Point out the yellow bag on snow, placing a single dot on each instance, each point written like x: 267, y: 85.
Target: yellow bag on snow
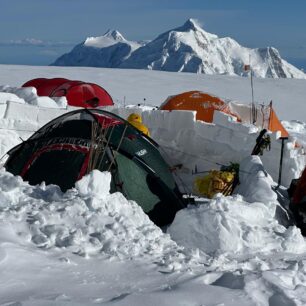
x: 214, y: 182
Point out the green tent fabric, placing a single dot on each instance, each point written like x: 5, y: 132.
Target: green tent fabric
x: 72, y: 145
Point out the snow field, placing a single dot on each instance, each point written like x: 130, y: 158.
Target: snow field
x: 89, y: 247
x: 234, y: 250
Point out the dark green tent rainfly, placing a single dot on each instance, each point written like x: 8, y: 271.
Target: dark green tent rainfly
x: 72, y: 145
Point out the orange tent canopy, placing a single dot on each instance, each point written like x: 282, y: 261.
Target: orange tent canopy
x: 204, y: 104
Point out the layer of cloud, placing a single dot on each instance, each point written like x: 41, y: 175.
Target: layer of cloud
x: 35, y: 42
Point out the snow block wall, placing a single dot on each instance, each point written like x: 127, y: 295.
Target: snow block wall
x: 33, y: 113
x: 204, y: 146
x: 197, y: 145
x: 22, y: 113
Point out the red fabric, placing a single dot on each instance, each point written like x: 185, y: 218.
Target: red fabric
x: 35, y: 82
x: 106, y: 122
x: 78, y: 93
x: 88, y: 96
x: 44, y: 86
x: 300, y: 191
x: 55, y: 147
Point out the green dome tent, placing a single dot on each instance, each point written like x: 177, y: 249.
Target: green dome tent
x: 72, y: 145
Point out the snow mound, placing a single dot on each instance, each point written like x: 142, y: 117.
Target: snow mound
x: 87, y: 220
x: 5, y: 96
x: 255, y: 182
x: 29, y: 95
x: 297, y: 130
x: 25, y: 94
x: 234, y: 225
x: 91, y: 184
x: 231, y: 225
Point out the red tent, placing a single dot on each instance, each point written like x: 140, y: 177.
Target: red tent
x: 78, y: 93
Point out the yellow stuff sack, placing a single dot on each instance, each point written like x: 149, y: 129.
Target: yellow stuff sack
x: 214, y: 182
x: 201, y: 185
x: 136, y: 120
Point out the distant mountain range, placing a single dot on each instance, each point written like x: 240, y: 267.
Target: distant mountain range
x: 184, y: 49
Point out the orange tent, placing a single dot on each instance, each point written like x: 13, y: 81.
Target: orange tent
x: 204, y: 104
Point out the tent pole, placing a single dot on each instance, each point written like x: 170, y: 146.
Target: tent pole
x: 253, y: 109
x: 281, y: 162
x: 253, y: 103
x: 270, y: 115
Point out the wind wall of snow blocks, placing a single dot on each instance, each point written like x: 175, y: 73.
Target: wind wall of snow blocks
x: 2, y: 109
x: 32, y: 113
x: 122, y: 112
x: 18, y: 111
x: 206, y: 144
x: 185, y: 139
x: 47, y: 114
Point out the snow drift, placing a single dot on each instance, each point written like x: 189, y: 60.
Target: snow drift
x: 228, y: 254
x: 87, y: 220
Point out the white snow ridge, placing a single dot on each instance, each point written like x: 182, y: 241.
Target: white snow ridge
x: 186, y: 49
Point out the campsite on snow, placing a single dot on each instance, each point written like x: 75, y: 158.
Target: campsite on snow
x: 119, y: 186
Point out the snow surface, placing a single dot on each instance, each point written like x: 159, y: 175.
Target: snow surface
x: 133, y: 86
x: 89, y: 247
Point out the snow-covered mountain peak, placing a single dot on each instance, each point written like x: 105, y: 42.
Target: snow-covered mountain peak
x: 110, y: 38
x: 115, y: 35
x: 191, y: 28
x: 191, y: 24
x: 108, y: 50
x: 187, y: 48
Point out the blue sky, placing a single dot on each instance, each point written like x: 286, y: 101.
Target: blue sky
x: 38, y: 31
